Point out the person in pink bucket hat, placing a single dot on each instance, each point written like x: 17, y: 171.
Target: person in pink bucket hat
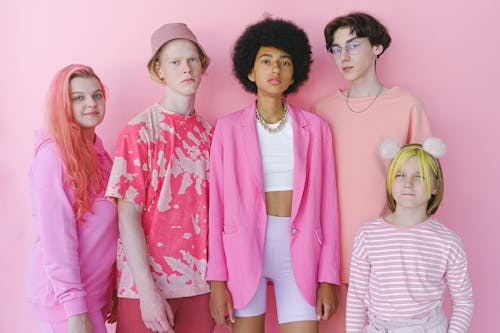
x: 159, y: 181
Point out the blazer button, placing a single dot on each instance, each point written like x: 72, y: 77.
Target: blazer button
x: 294, y: 231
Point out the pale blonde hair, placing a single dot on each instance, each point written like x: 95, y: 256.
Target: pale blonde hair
x: 430, y: 168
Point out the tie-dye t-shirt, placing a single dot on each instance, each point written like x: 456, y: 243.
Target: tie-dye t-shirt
x: 162, y: 163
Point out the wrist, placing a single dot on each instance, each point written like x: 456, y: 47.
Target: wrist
x: 218, y: 284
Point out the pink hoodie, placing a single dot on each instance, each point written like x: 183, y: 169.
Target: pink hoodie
x: 71, y: 266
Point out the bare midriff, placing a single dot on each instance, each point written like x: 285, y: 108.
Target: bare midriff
x: 279, y: 203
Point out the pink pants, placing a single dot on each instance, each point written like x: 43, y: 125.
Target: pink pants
x: 191, y: 314
x: 435, y: 322
x: 96, y: 317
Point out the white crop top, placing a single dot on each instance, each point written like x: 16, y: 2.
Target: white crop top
x: 276, y: 151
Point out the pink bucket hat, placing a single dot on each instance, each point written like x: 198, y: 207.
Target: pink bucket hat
x: 171, y: 31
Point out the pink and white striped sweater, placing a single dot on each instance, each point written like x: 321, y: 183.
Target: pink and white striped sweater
x: 400, y: 273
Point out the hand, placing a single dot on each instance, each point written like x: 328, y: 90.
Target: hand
x: 156, y: 313
x: 326, y: 301
x: 80, y: 324
x: 221, y: 304
x: 112, y: 309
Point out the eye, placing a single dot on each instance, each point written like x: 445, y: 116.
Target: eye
x: 78, y: 98
x: 265, y: 61
x: 98, y: 96
x: 174, y: 62
x: 353, y: 45
x: 398, y: 175
x: 194, y: 59
x: 286, y: 63
x: 336, y: 50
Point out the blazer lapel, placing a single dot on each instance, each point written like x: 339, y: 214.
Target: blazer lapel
x: 300, y: 146
x: 252, y: 154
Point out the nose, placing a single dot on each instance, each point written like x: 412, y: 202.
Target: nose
x: 186, y: 68
x: 408, y: 181
x: 276, y: 67
x: 344, y: 55
x: 91, y: 101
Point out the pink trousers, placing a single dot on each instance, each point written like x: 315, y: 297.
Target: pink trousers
x: 435, y: 322
x: 191, y: 314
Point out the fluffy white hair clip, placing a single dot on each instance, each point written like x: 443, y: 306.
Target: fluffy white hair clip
x: 389, y: 149
x: 433, y: 145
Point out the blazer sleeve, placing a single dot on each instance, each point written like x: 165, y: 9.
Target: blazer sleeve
x: 57, y: 230
x: 217, y: 268
x: 329, y: 265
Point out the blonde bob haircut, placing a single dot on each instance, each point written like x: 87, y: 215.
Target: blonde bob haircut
x: 430, y: 168
x: 154, y: 63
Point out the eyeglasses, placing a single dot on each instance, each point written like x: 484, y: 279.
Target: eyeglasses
x: 351, y: 48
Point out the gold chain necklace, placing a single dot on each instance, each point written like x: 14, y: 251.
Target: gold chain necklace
x: 281, y: 122
x: 366, y: 108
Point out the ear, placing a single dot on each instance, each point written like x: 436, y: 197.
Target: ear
x: 251, y: 76
x: 378, y: 49
x: 158, y: 71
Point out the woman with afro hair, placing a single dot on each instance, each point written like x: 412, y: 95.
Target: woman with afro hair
x: 273, y: 202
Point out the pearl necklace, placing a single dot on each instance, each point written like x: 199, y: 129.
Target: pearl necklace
x: 366, y: 108
x: 281, y: 122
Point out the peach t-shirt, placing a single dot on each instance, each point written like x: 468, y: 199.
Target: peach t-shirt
x: 356, y: 140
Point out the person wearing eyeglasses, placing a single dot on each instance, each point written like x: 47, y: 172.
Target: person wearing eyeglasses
x: 361, y: 117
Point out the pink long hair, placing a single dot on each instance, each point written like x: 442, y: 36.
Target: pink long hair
x: 77, y: 152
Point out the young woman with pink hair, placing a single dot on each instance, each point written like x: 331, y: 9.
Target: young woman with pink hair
x: 76, y: 230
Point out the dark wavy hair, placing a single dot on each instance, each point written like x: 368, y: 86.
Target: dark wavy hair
x: 363, y: 25
x: 277, y: 33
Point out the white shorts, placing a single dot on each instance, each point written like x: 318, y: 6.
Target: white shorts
x: 277, y: 267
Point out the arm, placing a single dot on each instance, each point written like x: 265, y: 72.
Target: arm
x: 80, y: 324
x: 358, y: 287
x: 457, y: 278
x: 326, y: 300
x: 57, y: 229
x: 221, y: 304
x: 155, y: 311
x: 419, y: 127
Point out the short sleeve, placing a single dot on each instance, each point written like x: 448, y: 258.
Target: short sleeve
x: 131, y: 168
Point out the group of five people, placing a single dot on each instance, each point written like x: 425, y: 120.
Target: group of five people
x: 205, y: 219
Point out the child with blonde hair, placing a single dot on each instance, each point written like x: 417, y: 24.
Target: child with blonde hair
x: 401, y: 263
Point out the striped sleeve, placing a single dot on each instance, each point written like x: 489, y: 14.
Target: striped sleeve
x: 358, y: 286
x: 457, y: 277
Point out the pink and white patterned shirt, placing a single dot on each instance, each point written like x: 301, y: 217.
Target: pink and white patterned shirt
x: 162, y: 164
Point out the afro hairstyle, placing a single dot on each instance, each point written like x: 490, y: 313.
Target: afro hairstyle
x: 277, y: 33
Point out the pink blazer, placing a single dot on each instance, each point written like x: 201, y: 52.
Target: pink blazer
x: 237, y: 212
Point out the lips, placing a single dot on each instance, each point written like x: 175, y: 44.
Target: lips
x: 347, y: 69
x: 188, y: 80
x: 274, y: 81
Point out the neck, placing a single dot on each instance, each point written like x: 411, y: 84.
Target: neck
x: 89, y: 134
x: 366, y: 85
x: 270, y: 108
x: 407, y: 217
x: 177, y: 103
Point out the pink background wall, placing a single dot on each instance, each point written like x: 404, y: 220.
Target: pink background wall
x: 445, y: 52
